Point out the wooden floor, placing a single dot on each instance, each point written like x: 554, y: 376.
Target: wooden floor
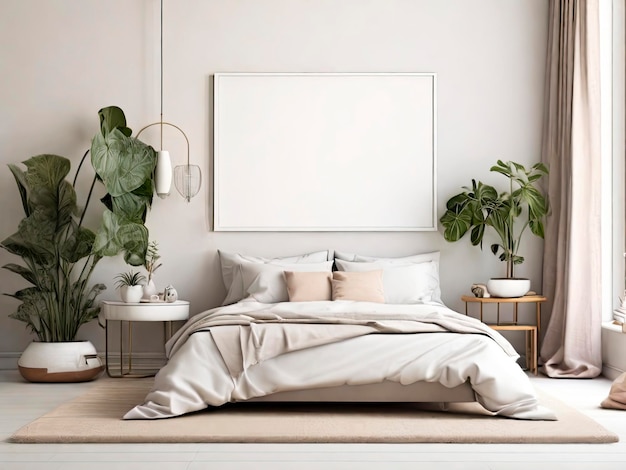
x: 21, y: 402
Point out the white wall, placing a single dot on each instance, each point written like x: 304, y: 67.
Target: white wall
x: 63, y: 60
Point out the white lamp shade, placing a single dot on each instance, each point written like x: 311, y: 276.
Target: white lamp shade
x: 163, y: 174
x: 187, y: 179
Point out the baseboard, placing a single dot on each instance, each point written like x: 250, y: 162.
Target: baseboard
x: 611, y: 372
x: 8, y: 360
x: 143, y: 360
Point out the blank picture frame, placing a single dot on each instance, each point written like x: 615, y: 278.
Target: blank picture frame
x: 325, y: 152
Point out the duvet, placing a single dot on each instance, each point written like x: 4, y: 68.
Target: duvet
x: 250, y: 349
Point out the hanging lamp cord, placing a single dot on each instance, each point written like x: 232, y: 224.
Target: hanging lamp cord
x: 161, y: 74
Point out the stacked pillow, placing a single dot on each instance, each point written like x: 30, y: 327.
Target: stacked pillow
x: 406, y: 280
x: 262, y: 278
x: 309, y: 277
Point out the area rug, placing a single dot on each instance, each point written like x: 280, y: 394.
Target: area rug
x: 96, y: 417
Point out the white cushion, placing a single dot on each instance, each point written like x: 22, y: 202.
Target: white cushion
x: 266, y: 282
x: 408, y: 283
x: 231, y: 263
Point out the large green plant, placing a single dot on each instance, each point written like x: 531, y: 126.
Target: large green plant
x: 56, y: 250
x: 126, y: 166
x: 508, y: 213
x: 59, y: 254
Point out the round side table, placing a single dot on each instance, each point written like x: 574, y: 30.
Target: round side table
x: 165, y: 312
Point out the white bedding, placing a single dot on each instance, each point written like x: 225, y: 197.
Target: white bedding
x: 249, y: 349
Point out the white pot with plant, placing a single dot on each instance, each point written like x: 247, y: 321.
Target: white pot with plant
x: 130, y: 285
x: 509, y: 214
x: 151, y: 264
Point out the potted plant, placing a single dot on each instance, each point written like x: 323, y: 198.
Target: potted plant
x: 59, y: 255
x: 130, y: 286
x: 151, y: 264
x: 509, y: 213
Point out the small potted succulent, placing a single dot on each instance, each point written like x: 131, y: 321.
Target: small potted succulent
x: 130, y: 285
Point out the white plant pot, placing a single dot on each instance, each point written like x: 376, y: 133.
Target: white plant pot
x: 131, y: 294
x: 508, y: 287
x: 74, y: 361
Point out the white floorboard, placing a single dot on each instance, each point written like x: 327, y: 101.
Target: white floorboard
x: 21, y: 402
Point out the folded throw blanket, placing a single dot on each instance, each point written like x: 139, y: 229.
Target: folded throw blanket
x: 617, y: 394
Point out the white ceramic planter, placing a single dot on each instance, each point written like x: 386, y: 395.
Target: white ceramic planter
x: 74, y: 361
x: 508, y: 288
x: 131, y: 294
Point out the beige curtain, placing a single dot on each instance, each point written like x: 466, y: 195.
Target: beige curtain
x: 571, y: 148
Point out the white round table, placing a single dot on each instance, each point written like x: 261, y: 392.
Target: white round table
x: 165, y: 312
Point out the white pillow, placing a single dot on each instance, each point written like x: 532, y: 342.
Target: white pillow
x: 403, y: 283
x: 419, y: 258
x: 266, y: 282
x: 231, y: 264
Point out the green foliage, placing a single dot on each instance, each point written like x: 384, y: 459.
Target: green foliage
x: 151, y: 263
x: 481, y: 206
x: 125, y: 165
x: 129, y: 278
x: 56, y: 251
x: 59, y: 254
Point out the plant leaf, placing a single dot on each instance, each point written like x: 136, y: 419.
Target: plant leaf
x: 22, y: 186
x: 456, y: 223
x: 123, y: 163
x: 112, y: 117
x: 22, y: 271
x: 130, y: 206
x: 118, y: 234
x: 78, y: 244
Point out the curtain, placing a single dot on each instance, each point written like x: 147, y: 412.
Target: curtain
x: 571, y: 148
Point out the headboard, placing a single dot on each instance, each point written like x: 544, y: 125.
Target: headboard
x: 325, y: 151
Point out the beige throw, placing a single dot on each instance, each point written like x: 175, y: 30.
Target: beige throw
x: 617, y: 394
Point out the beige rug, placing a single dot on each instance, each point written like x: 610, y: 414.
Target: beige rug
x: 95, y: 417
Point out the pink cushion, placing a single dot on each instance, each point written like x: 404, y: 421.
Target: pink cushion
x: 364, y: 286
x: 308, y: 286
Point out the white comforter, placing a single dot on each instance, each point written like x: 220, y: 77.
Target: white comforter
x: 250, y: 349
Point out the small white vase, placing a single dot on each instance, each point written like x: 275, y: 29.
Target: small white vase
x: 73, y: 361
x: 149, y: 290
x: 131, y: 294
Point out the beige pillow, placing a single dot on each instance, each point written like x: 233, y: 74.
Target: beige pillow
x: 308, y: 286
x: 365, y: 286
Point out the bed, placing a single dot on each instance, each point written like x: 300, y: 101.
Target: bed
x: 318, y: 327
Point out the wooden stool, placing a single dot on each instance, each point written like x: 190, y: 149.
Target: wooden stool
x: 531, y: 342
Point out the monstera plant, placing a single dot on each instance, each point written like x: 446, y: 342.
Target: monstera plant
x: 509, y: 213
x: 59, y: 254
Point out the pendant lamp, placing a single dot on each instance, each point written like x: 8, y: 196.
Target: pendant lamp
x: 187, y: 178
